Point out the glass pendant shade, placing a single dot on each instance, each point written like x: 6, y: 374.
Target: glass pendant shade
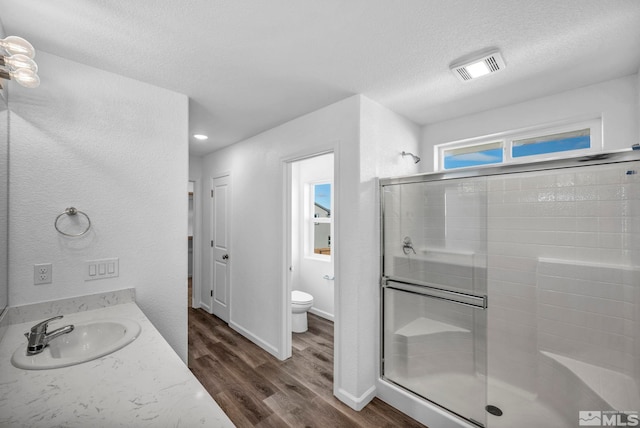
x: 17, y: 45
x: 25, y: 77
x: 18, y: 61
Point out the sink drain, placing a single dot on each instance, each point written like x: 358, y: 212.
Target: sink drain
x: 495, y: 411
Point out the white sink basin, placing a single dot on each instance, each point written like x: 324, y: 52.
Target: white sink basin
x: 88, y: 341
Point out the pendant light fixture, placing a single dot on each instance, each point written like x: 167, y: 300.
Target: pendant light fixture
x: 16, y: 62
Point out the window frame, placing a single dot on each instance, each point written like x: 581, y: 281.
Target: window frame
x: 310, y: 220
x: 507, y: 138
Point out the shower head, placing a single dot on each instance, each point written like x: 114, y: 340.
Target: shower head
x: 416, y: 159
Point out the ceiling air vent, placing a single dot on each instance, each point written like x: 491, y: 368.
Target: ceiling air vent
x: 479, y: 66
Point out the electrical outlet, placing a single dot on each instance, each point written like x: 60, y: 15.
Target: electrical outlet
x: 42, y: 273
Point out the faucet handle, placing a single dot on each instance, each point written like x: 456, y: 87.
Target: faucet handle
x: 42, y: 326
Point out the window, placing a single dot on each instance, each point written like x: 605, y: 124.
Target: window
x: 320, y: 220
x: 573, y: 140
x: 537, y: 143
x: 479, y: 154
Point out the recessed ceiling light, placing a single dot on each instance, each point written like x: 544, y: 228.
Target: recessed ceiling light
x: 482, y: 65
x: 200, y: 137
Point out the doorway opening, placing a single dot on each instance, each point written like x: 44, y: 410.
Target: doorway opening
x: 311, y: 243
x: 190, y: 239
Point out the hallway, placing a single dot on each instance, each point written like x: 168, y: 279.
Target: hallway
x: 256, y: 389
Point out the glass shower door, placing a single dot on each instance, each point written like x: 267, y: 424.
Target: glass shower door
x: 434, y: 292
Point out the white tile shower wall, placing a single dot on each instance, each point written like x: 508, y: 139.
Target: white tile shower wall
x: 419, y: 343
x: 637, y: 335
x: 450, y: 249
x: 447, y: 224
x: 585, y: 312
x: 589, y: 215
x: 403, y: 208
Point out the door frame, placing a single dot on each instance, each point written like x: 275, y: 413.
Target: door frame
x: 196, y: 245
x: 286, y: 334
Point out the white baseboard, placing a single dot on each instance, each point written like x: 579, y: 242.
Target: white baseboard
x: 356, y: 403
x: 255, y: 339
x: 322, y: 314
x: 205, y: 307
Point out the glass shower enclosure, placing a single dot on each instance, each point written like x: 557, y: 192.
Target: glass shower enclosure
x: 511, y: 295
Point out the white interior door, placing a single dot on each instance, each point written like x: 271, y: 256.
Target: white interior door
x: 220, y: 257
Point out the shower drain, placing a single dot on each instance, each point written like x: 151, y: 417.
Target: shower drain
x: 495, y: 411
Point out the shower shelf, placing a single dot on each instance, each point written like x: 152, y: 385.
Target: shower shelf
x: 424, y: 326
x: 617, y: 389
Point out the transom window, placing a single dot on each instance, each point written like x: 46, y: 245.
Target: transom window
x: 533, y: 144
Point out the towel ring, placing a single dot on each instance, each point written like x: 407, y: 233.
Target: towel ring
x: 71, y: 211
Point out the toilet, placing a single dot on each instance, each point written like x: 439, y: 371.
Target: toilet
x: 301, y: 302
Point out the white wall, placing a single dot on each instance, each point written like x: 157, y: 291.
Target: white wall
x: 256, y: 168
x: 367, y: 140
x: 116, y: 149
x: 383, y: 136
x: 615, y: 100
x: 195, y: 168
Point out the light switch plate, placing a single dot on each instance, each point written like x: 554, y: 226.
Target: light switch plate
x: 100, y: 269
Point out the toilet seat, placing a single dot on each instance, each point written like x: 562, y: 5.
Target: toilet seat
x: 300, y: 297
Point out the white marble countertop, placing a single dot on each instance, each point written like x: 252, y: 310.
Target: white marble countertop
x: 144, y: 384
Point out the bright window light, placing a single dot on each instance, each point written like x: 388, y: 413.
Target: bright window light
x: 555, y: 140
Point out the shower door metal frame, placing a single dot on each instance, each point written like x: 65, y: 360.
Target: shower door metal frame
x: 622, y: 156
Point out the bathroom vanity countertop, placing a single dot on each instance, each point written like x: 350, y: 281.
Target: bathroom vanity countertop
x: 144, y: 384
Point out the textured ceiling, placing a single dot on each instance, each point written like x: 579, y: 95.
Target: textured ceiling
x: 250, y: 65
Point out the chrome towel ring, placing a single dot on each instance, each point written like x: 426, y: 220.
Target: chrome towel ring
x: 71, y: 211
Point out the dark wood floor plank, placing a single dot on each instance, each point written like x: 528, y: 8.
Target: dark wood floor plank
x: 285, y: 382
x: 273, y: 421
x: 331, y: 416
x: 312, y: 376
x: 252, y: 355
x: 302, y: 342
x: 252, y: 408
x: 216, y: 376
x: 235, y: 413
x: 257, y: 390
x: 259, y: 385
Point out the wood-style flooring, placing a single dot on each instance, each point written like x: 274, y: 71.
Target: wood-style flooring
x: 257, y: 390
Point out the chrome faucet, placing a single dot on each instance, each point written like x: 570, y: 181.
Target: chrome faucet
x: 39, y: 338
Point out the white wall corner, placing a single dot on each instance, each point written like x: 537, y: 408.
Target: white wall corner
x: 356, y: 403
x: 382, y: 137
x: 257, y: 340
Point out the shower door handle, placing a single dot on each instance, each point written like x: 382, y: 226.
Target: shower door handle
x: 478, y: 302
